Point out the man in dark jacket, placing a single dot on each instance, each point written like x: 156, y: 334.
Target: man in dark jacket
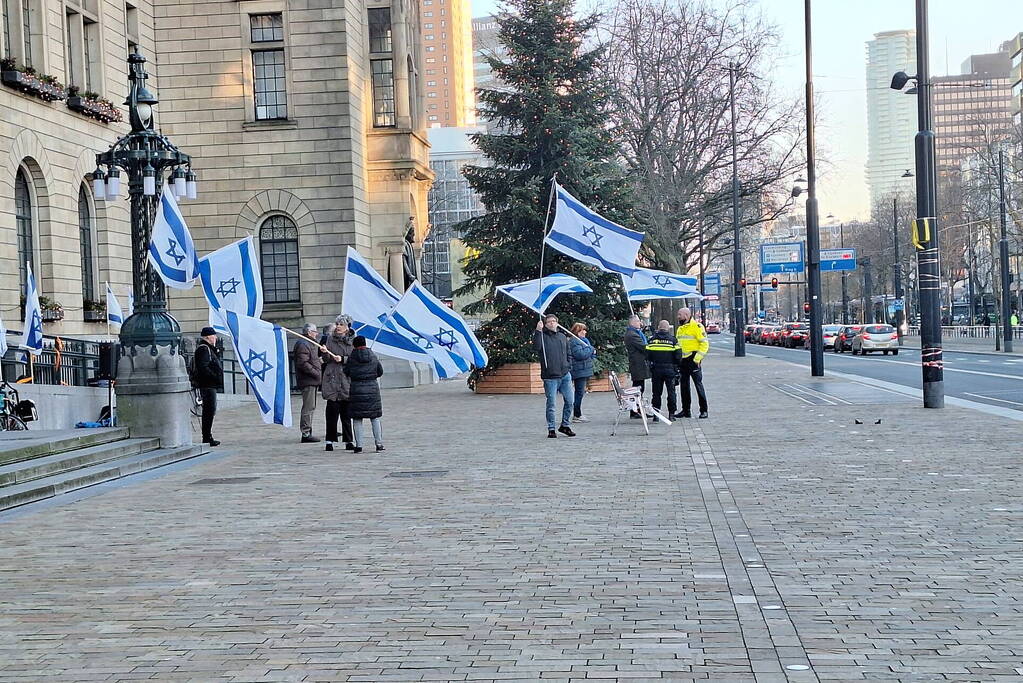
x: 665, y: 357
x: 635, y: 346
x: 208, y: 378
x: 551, y: 345
x: 308, y: 375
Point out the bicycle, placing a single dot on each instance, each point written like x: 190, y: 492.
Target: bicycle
x: 15, y: 413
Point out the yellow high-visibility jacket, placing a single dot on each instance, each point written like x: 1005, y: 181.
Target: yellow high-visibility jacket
x: 693, y: 340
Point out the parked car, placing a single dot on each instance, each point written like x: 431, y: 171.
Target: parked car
x: 882, y: 338
x: 713, y: 328
x: 830, y: 332
x: 843, y: 342
x: 747, y: 332
x: 793, y: 334
x: 774, y: 336
x: 757, y: 336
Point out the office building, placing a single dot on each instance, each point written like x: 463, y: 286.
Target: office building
x: 891, y: 116
x: 448, y: 68
x: 1016, y: 78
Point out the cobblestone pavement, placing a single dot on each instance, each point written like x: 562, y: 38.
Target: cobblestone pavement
x: 777, y: 534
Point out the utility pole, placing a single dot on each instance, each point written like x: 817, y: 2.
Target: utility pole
x: 845, y: 273
x: 867, y: 315
x: 739, y: 296
x: 931, y: 359
x: 899, y: 314
x: 703, y: 288
x: 813, y: 237
x: 1003, y: 255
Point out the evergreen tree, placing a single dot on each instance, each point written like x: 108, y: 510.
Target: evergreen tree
x: 550, y: 110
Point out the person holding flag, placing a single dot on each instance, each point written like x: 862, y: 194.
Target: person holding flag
x: 551, y: 345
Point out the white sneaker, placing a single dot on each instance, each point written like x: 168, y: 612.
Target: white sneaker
x: 581, y: 418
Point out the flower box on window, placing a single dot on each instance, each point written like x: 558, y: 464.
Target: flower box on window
x: 95, y: 316
x: 92, y: 105
x: 25, y: 79
x: 51, y: 315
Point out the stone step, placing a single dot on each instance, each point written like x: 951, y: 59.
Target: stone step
x: 48, y: 487
x: 25, y: 445
x: 49, y: 465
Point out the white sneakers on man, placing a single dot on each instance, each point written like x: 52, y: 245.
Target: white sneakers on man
x: 581, y: 418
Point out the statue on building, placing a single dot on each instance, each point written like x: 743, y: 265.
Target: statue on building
x: 411, y: 269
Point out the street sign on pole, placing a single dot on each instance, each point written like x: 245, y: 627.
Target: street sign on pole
x: 785, y: 257
x: 712, y: 284
x: 838, y: 259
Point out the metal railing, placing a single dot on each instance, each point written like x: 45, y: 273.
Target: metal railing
x: 64, y: 361
x: 970, y: 331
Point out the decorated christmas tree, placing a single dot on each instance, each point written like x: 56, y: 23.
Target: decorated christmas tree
x: 550, y: 113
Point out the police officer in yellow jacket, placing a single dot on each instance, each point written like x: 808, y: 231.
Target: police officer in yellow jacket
x: 693, y: 340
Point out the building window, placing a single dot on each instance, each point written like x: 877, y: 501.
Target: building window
x: 266, y: 28
x: 81, y: 46
x: 429, y: 48
x: 427, y: 25
x: 278, y: 260
x: 268, y: 84
x: 23, y: 218
x: 22, y: 32
x: 5, y: 5
x: 131, y: 27
x: 380, y: 29
x: 383, y: 92
x: 85, y: 241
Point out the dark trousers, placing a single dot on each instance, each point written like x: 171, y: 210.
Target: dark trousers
x: 580, y: 391
x: 660, y: 383
x: 209, y: 410
x: 691, y: 370
x: 338, y: 410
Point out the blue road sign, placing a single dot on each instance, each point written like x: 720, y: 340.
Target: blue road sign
x: 712, y: 284
x: 713, y: 304
x: 838, y: 259
x: 785, y: 257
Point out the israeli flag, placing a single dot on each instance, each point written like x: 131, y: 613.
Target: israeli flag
x: 3, y: 339
x: 589, y: 237
x: 131, y: 304
x: 657, y: 284
x: 438, y: 331
x: 115, y: 316
x: 262, y: 353
x: 32, y: 337
x: 231, y: 282
x: 369, y: 299
x: 538, y: 294
x: 171, y: 251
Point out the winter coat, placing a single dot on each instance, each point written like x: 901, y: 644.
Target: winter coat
x: 207, y: 367
x: 335, y: 382
x: 363, y: 368
x: 552, y: 347
x: 664, y: 354
x: 635, y: 346
x: 308, y: 366
x: 583, y: 353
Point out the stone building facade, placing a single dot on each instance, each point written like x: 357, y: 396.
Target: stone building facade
x: 305, y: 122
x: 304, y: 119
x: 47, y: 151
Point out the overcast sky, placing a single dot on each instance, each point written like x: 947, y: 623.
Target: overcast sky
x: 840, y: 32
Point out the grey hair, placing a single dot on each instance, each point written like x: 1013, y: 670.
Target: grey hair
x: 308, y: 327
x: 633, y: 317
x: 344, y: 319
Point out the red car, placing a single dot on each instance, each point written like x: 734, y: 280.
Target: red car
x: 845, y: 336
x: 793, y: 334
x: 713, y: 328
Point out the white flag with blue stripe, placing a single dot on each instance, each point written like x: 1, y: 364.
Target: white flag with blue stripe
x: 32, y: 337
x: 171, y: 251
x: 658, y: 284
x: 538, y: 294
x: 438, y: 331
x: 231, y: 281
x: 369, y: 299
x: 261, y: 350
x: 131, y: 304
x: 589, y: 237
x: 115, y: 316
x: 3, y: 338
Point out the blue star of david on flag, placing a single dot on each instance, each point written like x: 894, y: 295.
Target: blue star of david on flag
x: 229, y: 286
x: 37, y: 323
x: 591, y: 233
x: 173, y: 253
x: 662, y: 280
x: 647, y: 284
x: 419, y: 339
x: 446, y: 338
x: 250, y: 365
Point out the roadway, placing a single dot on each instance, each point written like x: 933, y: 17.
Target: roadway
x: 990, y: 378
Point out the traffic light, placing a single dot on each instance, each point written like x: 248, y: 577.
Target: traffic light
x: 806, y: 307
x: 742, y: 283
x: 774, y: 282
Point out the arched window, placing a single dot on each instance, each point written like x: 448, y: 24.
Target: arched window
x: 85, y: 239
x: 278, y: 260
x: 23, y: 218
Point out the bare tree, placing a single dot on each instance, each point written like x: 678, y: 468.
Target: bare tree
x: 668, y: 62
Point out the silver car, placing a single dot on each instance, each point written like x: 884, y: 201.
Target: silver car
x: 882, y: 338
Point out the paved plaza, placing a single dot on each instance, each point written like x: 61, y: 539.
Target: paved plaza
x: 778, y: 541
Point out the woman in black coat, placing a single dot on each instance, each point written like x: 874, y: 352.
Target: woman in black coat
x: 363, y: 368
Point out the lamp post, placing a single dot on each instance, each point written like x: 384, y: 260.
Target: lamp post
x: 739, y: 300
x: 152, y: 386
x: 1003, y: 255
x: 813, y: 238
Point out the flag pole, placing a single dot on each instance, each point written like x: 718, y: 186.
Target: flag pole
x: 632, y: 311
x: 543, y: 250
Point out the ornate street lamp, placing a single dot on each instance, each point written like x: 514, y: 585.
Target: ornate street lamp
x: 152, y: 380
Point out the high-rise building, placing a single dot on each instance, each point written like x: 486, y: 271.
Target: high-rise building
x: 1016, y: 78
x: 891, y: 116
x: 447, y: 46
x: 485, y: 44
x: 971, y: 108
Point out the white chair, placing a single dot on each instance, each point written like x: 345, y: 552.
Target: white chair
x: 630, y: 399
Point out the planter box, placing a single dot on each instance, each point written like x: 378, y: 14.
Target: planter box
x: 516, y: 378
x: 599, y: 384
x: 95, y: 316
x: 93, y: 109
x: 51, y: 315
x: 30, y: 84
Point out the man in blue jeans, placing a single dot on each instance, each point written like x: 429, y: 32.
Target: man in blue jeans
x: 556, y: 371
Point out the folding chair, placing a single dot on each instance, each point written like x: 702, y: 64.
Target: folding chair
x: 629, y: 400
